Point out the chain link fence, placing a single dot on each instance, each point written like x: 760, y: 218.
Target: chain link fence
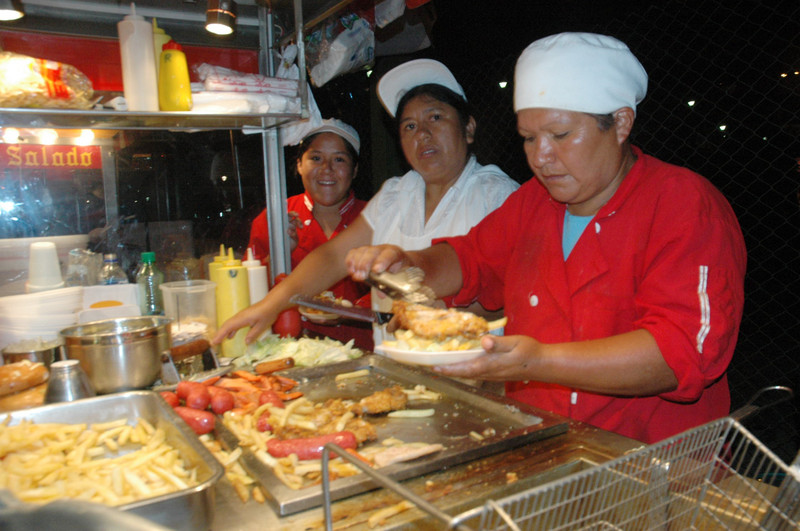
x: 725, y: 102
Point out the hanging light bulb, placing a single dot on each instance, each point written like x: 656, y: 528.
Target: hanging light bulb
x: 221, y: 16
x: 11, y: 10
x: 48, y: 137
x: 10, y: 135
x: 85, y: 138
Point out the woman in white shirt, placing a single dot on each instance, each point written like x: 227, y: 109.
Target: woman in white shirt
x: 445, y: 194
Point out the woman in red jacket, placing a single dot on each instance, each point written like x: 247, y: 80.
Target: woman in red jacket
x: 327, y: 163
x: 622, y: 276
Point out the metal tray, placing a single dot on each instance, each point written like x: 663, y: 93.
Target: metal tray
x: 462, y: 409
x: 190, y: 509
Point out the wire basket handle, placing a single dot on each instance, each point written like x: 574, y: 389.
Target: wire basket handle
x: 783, y: 394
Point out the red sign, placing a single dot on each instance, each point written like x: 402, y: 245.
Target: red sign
x: 32, y: 156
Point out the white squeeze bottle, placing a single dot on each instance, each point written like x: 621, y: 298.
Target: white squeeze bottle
x: 138, y: 62
x: 256, y: 277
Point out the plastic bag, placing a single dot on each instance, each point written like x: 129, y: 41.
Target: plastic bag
x: 294, y: 132
x: 29, y: 82
x: 341, y: 44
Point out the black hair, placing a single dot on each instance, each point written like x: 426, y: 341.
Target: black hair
x: 604, y: 121
x: 306, y: 143
x: 440, y: 93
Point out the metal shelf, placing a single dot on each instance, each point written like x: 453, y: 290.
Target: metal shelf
x: 175, y: 121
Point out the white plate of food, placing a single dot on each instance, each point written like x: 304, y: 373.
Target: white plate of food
x: 428, y: 358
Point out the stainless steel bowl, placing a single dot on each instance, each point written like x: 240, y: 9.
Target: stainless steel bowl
x: 119, y: 354
x: 36, y: 351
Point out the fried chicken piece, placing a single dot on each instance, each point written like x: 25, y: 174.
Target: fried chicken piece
x: 390, y: 399
x: 438, y: 324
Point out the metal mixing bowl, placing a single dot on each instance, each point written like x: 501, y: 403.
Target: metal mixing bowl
x: 119, y: 354
x: 36, y: 351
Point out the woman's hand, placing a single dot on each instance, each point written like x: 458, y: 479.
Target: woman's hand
x: 258, y: 317
x: 628, y: 364
x: 362, y: 261
x: 295, y: 224
x: 506, y: 358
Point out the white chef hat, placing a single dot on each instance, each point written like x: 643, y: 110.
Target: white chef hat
x: 332, y: 125
x: 583, y: 72
x: 400, y: 79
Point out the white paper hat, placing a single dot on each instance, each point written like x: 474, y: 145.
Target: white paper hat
x: 400, y: 79
x: 583, y: 72
x: 332, y: 125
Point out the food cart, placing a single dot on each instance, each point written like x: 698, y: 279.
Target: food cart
x: 511, y: 469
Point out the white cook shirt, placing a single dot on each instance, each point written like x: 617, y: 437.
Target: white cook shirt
x: 397, y: 213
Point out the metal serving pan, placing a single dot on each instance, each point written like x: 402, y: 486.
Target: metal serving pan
x: 461, y: 410
x: 188, y: 509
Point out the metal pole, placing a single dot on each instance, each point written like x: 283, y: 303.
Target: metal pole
x: 274, y: 170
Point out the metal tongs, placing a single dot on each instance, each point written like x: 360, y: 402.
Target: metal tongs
x: 404, y: 285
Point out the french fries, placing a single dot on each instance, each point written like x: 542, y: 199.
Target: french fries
x: 408, y: 340
x: 243, y: 483
x: 111, y: 463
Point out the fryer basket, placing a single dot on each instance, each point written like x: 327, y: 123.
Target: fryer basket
x: 714, y: 476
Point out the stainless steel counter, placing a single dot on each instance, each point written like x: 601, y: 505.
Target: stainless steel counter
x: 452, y: 490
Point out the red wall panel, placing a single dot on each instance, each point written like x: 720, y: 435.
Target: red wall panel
x: 99, y: 59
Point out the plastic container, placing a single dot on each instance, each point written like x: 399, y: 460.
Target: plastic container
x: 257, y: 281
x: 174, y: 88
x: 160, y: 38
x: 112, y: 272
x: 192, y: 306
x: 138, y: 62
x: 233, y: 295
x: 44, y: 268
x: 149, y: 279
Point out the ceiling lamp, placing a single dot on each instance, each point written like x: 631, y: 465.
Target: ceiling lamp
x: 11, y: 10
x: 221, y: 16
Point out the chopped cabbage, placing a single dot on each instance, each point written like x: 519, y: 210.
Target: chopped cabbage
x: 305, y: 351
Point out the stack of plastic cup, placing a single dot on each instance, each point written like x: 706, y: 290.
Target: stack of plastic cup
x: 44, y: 269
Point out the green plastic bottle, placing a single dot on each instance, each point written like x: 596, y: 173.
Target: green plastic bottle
x: 149, y: 279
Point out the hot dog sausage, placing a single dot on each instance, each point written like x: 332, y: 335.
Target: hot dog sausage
x: 201, y: 422
x: 221, y: 399
x: 310, y: 447
x: 267, y: 367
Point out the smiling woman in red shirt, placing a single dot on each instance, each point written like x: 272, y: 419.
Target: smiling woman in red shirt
x: 327, y: 163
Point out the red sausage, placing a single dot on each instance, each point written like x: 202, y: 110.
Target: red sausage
x: 310, y: 447
x: 269, y: 396
x: 221, y: 399
x: 184, y: 388
x: 201, y: 422
x: 170, y: 398
x: 199, y: 397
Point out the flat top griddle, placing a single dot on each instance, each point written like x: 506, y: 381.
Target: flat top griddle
x: 462, y: 409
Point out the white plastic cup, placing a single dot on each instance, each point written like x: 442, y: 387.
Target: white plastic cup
x: 44, y: 269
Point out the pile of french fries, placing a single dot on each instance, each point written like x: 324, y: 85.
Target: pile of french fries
x: 112, y: 463
x: 408, y: 340
x: 243, y: 483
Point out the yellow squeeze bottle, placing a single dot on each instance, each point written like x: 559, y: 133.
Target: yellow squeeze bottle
x: 174, y: 88
x: 160, y: 38
x: 217, y: 263
x: 233, y: 296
